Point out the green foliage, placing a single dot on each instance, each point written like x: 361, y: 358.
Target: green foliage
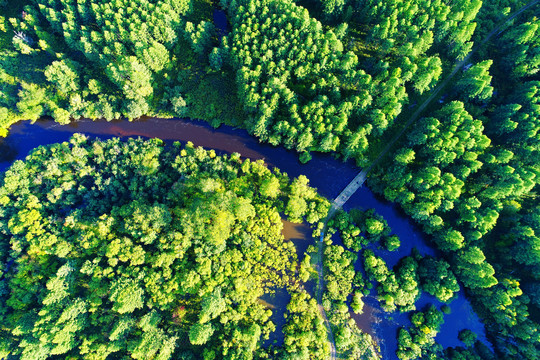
x: 479, y: 215
x: 398, y: 288
x: 357, y: 304
x: 199, y: 334
x: 297, y: 84
x: 448, y: 147
x: 411, y: 27
x: 359, y: 228
x: 392, y: 243
x: 341, y: 280
x: 216, y: 59
x: 474, y: 271
x: 468, y: 337
x: 199, y: 37
x: 476, y: 82
x: 339, y: 274
x: 437, y: 278
x: 139, y: 250
x: 305, y: 332
x: 98, y: 59
x: 418, y: 340
x: 519, y: 48
x: 64, y: 75
x: 468, y: 168
x: 126, y: 296
x: 351, y: 343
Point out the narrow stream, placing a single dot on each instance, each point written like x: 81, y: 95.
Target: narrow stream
x: 325, y: 173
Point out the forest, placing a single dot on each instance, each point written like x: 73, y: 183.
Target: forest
x: 343, y: 77
x: 113, y: 249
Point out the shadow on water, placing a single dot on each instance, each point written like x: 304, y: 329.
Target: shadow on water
x: 325, y: 173
x: 277, y: 302
x: 8, y: 152
x: 221, y: 23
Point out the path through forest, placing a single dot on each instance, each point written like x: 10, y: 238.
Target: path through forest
x: 359, y: 179
x: 320, y: 287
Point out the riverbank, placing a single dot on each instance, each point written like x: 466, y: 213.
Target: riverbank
x: 326, y: 173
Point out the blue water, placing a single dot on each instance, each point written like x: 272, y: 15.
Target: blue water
x: 221, y: 23
x: 462, y: 315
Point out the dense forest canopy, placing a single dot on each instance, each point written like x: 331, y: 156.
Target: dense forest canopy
x: 152, y: 252
x: 469, y: 174
x: 327, y: 89
x: 336, y: 76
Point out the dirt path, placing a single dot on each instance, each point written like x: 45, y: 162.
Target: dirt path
x: 320, y: 286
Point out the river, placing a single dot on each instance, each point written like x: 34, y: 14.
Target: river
x: 325, y: 173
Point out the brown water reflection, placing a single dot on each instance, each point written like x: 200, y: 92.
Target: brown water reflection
x: 299, y: 234
x: 165, y: 129
x: 366, y: 320
x: 266, y: 304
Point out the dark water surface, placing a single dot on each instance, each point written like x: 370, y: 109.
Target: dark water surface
x: 220, y: 21
x: 325, y: 173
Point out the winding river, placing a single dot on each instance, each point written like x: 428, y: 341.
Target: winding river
x: 327, y: 174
